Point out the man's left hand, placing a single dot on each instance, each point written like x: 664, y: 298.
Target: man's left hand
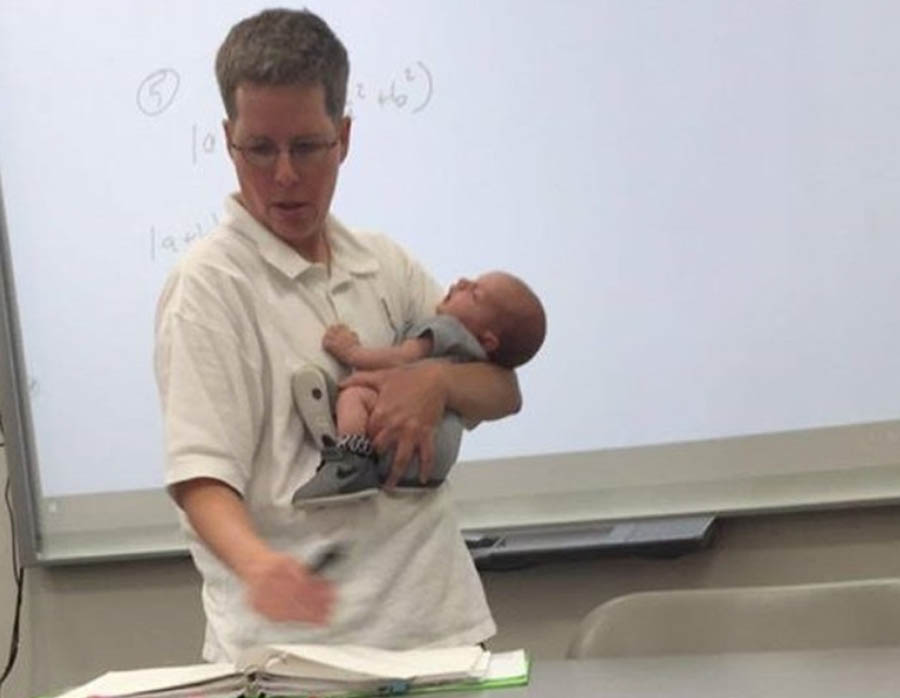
x: 411, y: 402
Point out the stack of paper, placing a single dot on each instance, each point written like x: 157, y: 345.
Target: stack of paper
x: 301, y: 670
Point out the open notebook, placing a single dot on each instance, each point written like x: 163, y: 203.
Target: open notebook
x: 320, y: 670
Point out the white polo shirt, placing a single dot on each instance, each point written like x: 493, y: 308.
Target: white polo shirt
x: 238, y: 315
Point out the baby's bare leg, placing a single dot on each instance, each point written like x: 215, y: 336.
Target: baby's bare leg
x: 354, y: 405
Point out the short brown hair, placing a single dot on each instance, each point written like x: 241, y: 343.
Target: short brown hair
x: 283, y: 47
x: 522, y: 325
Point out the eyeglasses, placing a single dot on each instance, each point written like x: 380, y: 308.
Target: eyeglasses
x: 304, y: 155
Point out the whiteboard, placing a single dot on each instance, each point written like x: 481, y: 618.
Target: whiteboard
x: 703, y: 193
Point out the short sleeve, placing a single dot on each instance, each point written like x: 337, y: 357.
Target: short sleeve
x: 450, y: 339
x: 210, y: 389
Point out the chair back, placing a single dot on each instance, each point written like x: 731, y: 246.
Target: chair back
x: 862, y: 613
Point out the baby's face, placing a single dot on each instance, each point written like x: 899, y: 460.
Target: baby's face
x: 477, y: 304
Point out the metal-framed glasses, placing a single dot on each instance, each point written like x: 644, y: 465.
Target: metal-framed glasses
x: 304, y: 155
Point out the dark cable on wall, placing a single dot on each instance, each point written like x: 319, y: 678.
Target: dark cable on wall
x: 18, y: 577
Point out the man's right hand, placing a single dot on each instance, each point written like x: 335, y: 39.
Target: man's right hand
x: 282, y: 588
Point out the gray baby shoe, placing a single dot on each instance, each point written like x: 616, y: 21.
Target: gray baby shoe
x: 342, y: 476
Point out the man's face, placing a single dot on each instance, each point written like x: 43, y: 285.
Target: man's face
x: 476, y: 304
x: 286, y: 152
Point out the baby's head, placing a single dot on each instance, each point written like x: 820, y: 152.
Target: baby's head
x: 503, y: 314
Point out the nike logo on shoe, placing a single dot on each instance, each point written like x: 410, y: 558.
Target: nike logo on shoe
x: 345, y: 471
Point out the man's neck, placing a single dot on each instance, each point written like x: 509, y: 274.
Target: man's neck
x: 320, y: 252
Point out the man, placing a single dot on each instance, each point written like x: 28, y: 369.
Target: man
x: 241, y: 313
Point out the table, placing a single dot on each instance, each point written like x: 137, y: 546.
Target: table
x: 872, y: 673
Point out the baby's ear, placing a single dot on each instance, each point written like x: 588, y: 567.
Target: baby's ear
x: 489, y: 341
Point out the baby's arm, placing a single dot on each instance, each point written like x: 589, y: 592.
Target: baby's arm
x: 343, y: 343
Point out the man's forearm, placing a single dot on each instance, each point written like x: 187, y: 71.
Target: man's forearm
x: 481, y: 391
x: 277, y: 585
x: 219, y: 516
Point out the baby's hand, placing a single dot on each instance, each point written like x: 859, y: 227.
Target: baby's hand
x: 340, y: 341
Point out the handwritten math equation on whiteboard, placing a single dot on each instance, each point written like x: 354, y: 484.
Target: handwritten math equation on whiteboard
x: 408, y: 92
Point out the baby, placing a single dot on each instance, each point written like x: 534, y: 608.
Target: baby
x: 496, y: 317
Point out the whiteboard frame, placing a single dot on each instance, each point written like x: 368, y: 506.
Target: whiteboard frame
x: 18, y: 432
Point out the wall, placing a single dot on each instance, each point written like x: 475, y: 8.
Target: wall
x: 79, y: 621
